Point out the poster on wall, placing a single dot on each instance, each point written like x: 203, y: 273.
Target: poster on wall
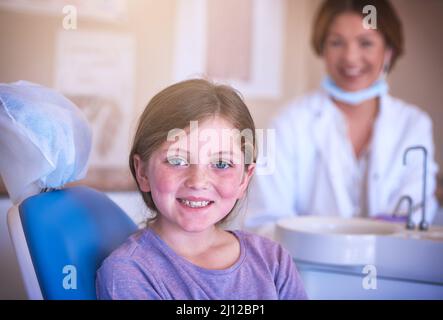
x: 230, y: 41
x: 109, y: 10
x: 95, y: 70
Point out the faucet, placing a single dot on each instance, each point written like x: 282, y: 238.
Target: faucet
x: 423, y: 224
x: 409, y: 224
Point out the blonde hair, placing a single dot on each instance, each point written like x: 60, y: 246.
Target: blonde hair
x: 175, y: 107
x: 388, y: 23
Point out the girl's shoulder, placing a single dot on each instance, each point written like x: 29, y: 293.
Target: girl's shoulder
x: 252, y: 238
x: 133, y: 251
x: 257, y: 244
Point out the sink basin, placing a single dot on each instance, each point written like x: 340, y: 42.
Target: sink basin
x: 395, y: 251
x: 335, y: 225
x: 432, y: 235
x: 416, y: 255
x: 333, y: 240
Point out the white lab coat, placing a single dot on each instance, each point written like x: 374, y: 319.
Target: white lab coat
x: 307, y: 178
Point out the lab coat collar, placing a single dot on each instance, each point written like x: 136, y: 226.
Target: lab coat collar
x: 327, y: 138
x: 382, y: 141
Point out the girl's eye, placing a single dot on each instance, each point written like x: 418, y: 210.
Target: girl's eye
x: 176, y: 161
x: 223, y: 165
x: 365, y: 44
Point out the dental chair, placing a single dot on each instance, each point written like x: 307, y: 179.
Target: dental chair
x: 61, y: 237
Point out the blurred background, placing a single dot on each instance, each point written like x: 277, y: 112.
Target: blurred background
x: 117, y: 54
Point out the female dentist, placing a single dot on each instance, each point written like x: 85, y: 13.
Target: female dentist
x: 339, y: 151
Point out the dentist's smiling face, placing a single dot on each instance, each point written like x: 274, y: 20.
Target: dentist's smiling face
x: 193, y: 189
x: 354, y: 56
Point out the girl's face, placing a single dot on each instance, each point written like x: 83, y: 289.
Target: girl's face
x: 196, y: 180
x: 354, y: 55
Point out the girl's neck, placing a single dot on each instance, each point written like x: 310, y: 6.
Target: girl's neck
x: 185, y: 243
x: 213, y: 248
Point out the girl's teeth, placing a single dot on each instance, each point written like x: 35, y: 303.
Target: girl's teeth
x: 195, y: 204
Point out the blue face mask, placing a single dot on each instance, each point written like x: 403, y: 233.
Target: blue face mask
x: 377, y: 89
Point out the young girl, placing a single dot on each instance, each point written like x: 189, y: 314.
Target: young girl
x: 192, y: 167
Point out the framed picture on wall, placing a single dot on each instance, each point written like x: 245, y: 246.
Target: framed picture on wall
x: 102, y: 10
x: 235, y: 42
x: 96, y: 71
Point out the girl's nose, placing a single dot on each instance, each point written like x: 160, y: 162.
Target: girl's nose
x: 197, y: 177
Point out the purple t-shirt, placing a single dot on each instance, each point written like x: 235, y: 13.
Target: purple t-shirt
x: 145, y: 267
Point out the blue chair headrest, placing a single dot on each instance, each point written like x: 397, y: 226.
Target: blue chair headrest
x: 69, y: 233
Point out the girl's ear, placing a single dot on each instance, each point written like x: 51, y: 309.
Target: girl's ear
x: 246, y: 179
x: 141, y: 173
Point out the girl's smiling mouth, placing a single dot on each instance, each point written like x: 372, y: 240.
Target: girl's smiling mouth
x: 195, y: 203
